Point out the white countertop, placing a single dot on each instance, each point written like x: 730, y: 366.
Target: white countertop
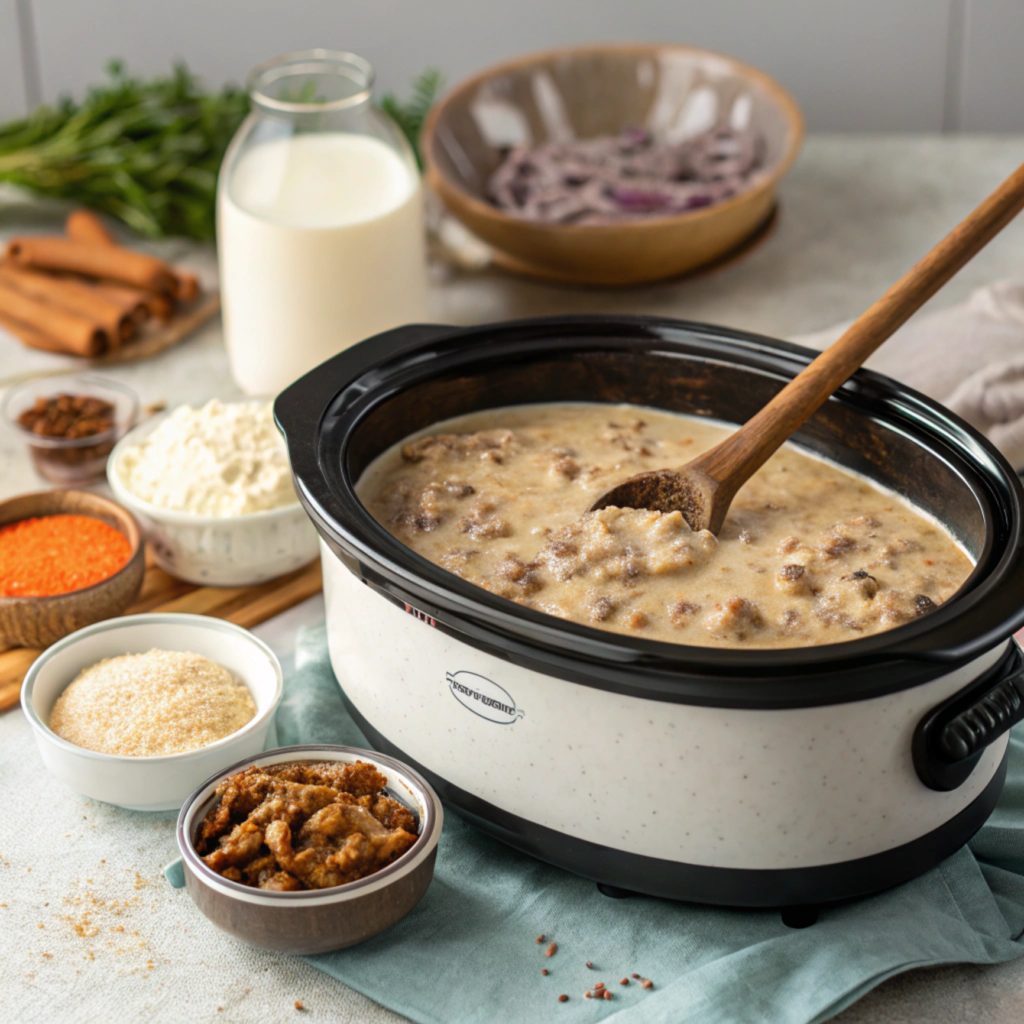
x: 856, y: 211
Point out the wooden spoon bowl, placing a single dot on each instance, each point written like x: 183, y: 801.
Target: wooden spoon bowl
x: 41, y: 621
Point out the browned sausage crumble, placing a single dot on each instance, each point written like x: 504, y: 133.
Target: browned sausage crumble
x: 809, y: 553
x: 304, y: 825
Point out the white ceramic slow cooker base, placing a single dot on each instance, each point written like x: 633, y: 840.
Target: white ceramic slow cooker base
x: 742, y: 790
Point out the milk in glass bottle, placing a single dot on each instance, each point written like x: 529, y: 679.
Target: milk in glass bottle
x: 319, y: 221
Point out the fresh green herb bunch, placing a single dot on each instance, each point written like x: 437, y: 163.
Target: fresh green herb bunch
x: 146, y: 152
x: 410, y: 115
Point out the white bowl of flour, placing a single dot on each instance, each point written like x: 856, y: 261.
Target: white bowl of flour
x: 213, y: 489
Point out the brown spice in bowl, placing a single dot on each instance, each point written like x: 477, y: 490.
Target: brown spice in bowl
x: 65, y: 417
x: 68, y: 416
x: 304, y: 825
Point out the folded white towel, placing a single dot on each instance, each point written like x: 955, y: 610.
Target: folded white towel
x: 970, y: 357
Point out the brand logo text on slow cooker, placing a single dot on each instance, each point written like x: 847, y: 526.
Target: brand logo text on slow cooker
x: 484, y: 697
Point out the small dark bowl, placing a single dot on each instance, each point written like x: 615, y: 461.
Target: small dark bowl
x: 316, y: 920
x: 41, y: 621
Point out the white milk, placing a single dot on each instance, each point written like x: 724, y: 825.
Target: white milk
x: 321, y: 245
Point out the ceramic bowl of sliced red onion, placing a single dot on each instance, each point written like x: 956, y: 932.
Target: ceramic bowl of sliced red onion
x: 613, y: 164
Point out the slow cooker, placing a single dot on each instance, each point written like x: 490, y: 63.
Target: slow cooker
x: 752, y: 778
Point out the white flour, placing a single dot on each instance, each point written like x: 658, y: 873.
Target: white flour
x: 225, y: 459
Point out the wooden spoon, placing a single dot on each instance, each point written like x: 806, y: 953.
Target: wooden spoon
x: 704, y: 488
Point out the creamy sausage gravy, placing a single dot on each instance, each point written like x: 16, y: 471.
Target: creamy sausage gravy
x: 809, y: 554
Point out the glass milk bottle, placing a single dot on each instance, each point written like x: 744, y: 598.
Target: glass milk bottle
x: 319, y: 221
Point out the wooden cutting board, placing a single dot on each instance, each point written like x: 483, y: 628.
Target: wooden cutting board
x: 244, y: 606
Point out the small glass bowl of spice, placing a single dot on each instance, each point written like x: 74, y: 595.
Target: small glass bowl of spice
x: 71, y: 423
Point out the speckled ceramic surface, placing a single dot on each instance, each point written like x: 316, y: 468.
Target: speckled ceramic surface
x: 711, y: 786
x: 675, y: 91
x: 40, y: 621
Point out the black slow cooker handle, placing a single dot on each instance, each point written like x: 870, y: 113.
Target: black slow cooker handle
x: 951, y: 738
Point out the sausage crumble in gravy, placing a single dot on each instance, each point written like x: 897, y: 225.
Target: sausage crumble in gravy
x: 808, y: 555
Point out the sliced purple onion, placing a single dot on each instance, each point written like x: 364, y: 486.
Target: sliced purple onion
x: 624, y: 177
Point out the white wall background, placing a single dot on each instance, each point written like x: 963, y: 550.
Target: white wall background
x: 854, y: 65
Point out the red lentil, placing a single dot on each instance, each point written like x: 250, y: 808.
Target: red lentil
x: 543, y: 970
x: 48, y: 555
x: 563, y: 999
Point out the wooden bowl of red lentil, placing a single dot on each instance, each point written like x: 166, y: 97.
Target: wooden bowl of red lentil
x: 67, y: 559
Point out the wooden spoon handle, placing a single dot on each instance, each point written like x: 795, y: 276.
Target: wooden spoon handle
x: 744, y: 452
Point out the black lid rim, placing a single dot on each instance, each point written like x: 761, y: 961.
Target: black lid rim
x: 335, y: 397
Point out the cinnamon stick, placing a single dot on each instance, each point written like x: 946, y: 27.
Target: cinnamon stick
x: 107, y: 262
x: 72, y: 332
x: 30, y: 336
x: 85, y: 226
x: 161, y: 307
x: 154, y: 304
x: 73, y: 296
x: 131, y: 301
x: 186, y: 285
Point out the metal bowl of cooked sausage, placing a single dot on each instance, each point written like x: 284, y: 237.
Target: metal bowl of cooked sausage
x: 312, y: 848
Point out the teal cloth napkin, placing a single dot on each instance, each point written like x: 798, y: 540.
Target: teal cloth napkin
x: 467, y: 952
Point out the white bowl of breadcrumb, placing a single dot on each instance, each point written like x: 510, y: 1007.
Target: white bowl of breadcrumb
x: 138, y: 711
